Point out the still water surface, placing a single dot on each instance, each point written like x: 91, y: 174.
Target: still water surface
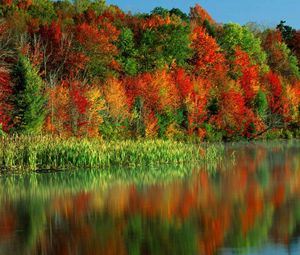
x: 250, y: 204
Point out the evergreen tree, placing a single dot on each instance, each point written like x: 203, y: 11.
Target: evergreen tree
x: 30, y: 100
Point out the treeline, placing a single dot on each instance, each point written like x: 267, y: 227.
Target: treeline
x: 84, y: 68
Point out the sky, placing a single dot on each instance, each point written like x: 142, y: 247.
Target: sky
x: 265, y: 12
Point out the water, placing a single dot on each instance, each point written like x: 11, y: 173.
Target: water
x: 250, y: 204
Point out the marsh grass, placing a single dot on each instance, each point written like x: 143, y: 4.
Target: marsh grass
x: 46, y: 152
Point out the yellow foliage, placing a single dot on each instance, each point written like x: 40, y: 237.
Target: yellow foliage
x: 173, y: 131
x: 166, y: 89
x: 96, y: 104
x: 151, y: 126
x: 115, y: 96
x: 293, y: 96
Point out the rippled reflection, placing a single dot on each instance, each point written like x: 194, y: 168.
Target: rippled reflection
x: 249, y: 205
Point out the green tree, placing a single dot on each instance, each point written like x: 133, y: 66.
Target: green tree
x: 261, y: 104
x: 286, y: 31
x: 30, y: 100
x: 164, y: 46
x: 127, y: 52
x: 179, y: 13
x: 234, y: 35
x: 43, y: 10
x: 160, y: 11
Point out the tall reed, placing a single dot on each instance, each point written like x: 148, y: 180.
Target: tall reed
x: 46, y: 152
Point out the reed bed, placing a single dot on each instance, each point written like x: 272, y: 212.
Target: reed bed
x: 46, y: 152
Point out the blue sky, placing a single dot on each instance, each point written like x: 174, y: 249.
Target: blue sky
x: 265, y: 12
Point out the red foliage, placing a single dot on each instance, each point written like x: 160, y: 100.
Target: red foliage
x: 24, y: 4
x: 88, y: 36
x: 275, y: 92
x: 294, y: 44
x: 75, y: 63
x: 194, y: 94
x: 155, y: 21
x: 112, y: 14
x: 52, y: 34
x: 5, y: 104
x: 183, y: 83
x: 232, y: 112
x: 208, y: 61
x: 272, y: 38
x: 6, y: 2
x: 199, y: 15
x: 76, y: 94
x: 33, y: 25
x: 98, y: 41
x: 248, y: 74
x: 158, y: 91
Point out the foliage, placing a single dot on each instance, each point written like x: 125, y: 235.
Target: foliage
x: 234, y: 35
x: 5, y: 99
x: 261, y: 104
x: 208, y: 60
x: 74, y: 109
x: 280, y: 58
x: 90, y: 69
x: 30, y: 100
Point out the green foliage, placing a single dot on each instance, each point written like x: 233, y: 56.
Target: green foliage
x: 98, y: 6
x: 164, y: 46
x: 81, y: 5
x: 213, y: 106
x: 179, y: 13
x: 235, y: 35
x: 42, y: 9
x: 88, y: 42
x: 292, y: 62
x: 167, y: 118
x: 209, y: 28
x: 165, y: 12
x: 127, y: 52
x: 111, y: 130
x: 137, y: 122
x: 160, y: 11
x: 30, y: 100
x: 286, y: 31
x: 213, y: 134
x: 2, y: 133
x: 261, y: 104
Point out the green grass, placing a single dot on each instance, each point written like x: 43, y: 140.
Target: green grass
x: 46, y: 152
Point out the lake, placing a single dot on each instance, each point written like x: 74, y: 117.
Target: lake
x: 248, y: 203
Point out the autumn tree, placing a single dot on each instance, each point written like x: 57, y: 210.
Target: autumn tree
x: 280, y: 58
x: 199, y: 15
x: 6, y: 105
x: 247, y: 74
x: 74, y: 109
x: 234, y: 35
x: 208, y: 59
x: 97, y: 42
x: 6, y: 83
x: 116, y: 115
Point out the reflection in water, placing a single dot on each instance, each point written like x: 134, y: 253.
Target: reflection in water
x: 250, y: 205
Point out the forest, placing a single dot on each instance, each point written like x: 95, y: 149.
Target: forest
x: 88, y: 69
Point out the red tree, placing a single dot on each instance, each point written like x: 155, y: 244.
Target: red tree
x: 248, y: 74
x: 208, y: 60
x: 5, y: 103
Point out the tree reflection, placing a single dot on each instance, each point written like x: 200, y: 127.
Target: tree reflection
x: 242, y: 206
